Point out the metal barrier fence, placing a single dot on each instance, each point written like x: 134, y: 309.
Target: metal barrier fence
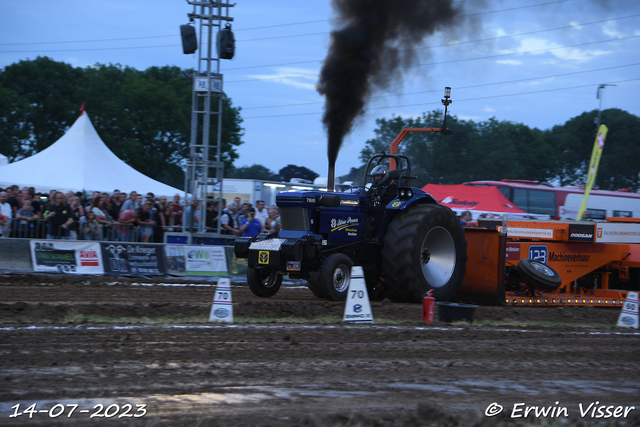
x: 113, y: 232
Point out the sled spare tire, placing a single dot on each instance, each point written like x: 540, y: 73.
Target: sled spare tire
x: 539, y: 275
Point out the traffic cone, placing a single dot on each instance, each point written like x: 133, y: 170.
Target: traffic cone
x: 222, y: 308
x: 629, y: 315
x: 357, y: 308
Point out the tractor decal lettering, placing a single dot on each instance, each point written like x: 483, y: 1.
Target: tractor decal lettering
x: 263, y: 257
x: 338, y: 224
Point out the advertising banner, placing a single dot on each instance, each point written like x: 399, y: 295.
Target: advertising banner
x: 63, y: 256
x: 132, y: 258
x: 175, y: 259
x: 205, y: 261
x: 598, y: 146
x: 582, y: 233
x: 608, y: 232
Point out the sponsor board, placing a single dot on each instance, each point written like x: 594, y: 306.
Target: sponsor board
x: 610, y: 232
x: 132, y: 258
x: 539, y: 253
x: 532, y: 233
x: 66, y: 256
x: 205, y: 261
x: 581, y: 233
x: 513, y: 252
x: 174, y: 255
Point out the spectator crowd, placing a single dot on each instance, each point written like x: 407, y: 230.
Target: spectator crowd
x: 125, y: 217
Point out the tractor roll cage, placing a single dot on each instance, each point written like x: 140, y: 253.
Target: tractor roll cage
x: 397, y: 173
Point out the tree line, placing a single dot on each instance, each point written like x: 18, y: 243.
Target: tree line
x: 144, y: 117
x: 494, y: 150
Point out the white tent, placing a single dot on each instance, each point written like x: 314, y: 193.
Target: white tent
x: 80, y: 161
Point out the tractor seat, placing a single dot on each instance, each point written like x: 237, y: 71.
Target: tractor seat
x: 395, y: 175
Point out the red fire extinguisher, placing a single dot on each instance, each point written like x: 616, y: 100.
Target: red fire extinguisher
x: 428, y: 304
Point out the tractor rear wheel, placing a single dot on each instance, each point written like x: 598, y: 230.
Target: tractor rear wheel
x: 335, y: 276
x: 424, y: 249
x: 263, y: 283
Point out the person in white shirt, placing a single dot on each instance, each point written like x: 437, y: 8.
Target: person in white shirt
x: 6, y: 213
x: 262, y: 214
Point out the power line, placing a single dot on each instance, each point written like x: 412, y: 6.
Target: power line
x: 89, y: 49
x: 453, y: 60
x: 457, y: 100
x: 268, y: 26
x: 299, y: 35
x: 89, y: 41
x: 459, y: 43
x: 457, y: 88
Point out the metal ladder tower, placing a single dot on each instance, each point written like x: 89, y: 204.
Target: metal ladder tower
x: 205, y: 168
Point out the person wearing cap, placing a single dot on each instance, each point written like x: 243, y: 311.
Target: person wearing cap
x: 250, y: 226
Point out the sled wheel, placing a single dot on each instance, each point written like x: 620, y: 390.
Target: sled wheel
x: 314, y: 285
x: 335, y: 276
x: 262, y: 282
x: 539, y: 274
x: 424, y: 249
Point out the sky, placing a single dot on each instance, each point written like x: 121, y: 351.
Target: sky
x: 536, y: 62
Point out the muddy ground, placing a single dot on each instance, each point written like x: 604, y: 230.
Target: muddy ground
x: 122, y: 342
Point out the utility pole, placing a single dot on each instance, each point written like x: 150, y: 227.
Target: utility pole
x: 600, y: 95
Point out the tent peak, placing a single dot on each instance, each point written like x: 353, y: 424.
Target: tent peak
x: 83, y: 107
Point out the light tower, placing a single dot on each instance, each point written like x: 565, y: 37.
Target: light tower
x: 205, y: 168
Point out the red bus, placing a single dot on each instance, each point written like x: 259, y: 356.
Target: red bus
x: 564, y: 202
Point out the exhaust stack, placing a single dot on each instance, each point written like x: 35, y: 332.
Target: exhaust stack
x: 331, y: 179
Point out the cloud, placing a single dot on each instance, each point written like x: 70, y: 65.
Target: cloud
x: 609, y: 29
x: 468, y: 118
x: 537, y: 46
x: 509, y: 62
x: 301, y: 78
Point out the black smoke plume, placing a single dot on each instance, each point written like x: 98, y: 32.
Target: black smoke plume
x: 374, y: 42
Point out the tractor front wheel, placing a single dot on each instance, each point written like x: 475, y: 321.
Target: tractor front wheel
x: 335, y: 276
x: 263, y: 283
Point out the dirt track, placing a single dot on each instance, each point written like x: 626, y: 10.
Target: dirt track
x: 318, y: 372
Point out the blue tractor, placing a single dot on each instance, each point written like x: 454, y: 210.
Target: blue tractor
x: 406, y: 243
